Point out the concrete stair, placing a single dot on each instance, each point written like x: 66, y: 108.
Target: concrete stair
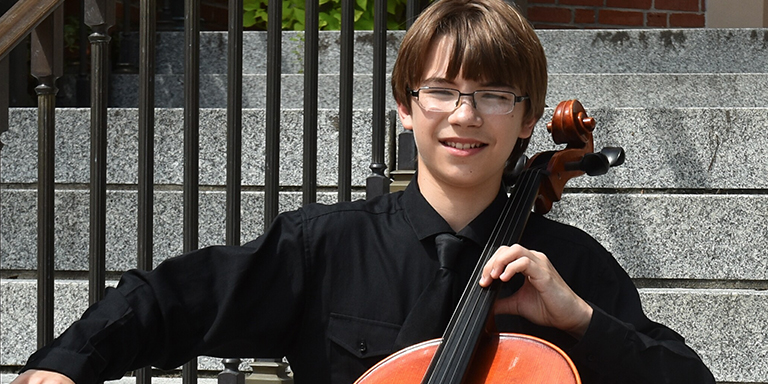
x: 686, y: 215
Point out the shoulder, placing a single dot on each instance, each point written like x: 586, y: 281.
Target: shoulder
x: 568, y: 246
x: 540, y: 229
x: 381, y: 205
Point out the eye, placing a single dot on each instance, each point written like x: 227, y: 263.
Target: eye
x: 439, y: 93
x: 497, y: 96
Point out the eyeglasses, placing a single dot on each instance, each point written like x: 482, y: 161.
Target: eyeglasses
x: 434, y: 99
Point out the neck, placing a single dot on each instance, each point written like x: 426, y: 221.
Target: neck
x: 457, y: 205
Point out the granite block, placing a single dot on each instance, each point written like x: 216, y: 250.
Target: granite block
x: 660, y: 90
x: 676, y: 236
x: 18, y: 225
x: 727, y: 327
x: 656, y: 50
x: 169, y: 91
x: 568, y: 51
x: 19, y: 155
x: 213, y: 56
x: 681, y: 148
x: 676, y: 148
x: 615, y: 90
x: 653, y: 236
x: 18, y: 330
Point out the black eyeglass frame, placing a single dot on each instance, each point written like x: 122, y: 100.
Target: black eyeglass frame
x: 516, y: 99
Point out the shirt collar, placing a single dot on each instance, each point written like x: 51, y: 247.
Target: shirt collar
x: 427, y: 222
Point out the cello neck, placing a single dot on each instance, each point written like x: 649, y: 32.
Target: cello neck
x: 454, y: 355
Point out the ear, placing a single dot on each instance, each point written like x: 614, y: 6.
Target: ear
x: 405, y: 116
x: 526, y: 130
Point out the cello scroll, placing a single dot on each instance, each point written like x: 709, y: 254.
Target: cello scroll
x: 570, y: 125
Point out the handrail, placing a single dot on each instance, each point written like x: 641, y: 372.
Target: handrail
x: 21, y: 19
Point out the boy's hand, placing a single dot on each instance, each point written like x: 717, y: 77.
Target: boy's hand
x: 544, y: 299
x: 41, y: 377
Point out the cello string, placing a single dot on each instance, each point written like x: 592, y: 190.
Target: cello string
x: 477, y: 298
x: 501, y: 232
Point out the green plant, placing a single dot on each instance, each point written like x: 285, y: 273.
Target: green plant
x: 255, y: 14
x: 71, y: 34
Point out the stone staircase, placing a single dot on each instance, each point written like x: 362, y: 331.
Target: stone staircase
x: 686, y: 215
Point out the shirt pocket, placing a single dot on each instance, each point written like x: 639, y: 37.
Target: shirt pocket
x: 357, y: 344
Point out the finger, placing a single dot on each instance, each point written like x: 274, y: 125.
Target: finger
x: 41, y: 377
x: 521, y: 265
x: 499, y: 264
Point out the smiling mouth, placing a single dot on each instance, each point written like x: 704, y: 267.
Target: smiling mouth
x: 462, y: 145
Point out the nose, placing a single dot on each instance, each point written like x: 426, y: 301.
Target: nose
x: 465, y: 112
x: 466, y: 96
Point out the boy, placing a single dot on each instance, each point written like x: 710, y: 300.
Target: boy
x: 338, y: 288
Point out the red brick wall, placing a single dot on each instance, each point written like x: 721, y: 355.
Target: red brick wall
x: 617, y: 13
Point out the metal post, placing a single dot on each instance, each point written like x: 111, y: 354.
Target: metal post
x: 191, y: 123
x: 231, y: 373
x: 234, y: 119
x: 274, y: 63
x: 100, y: 16
x: 412, y: 10
x: 345, y: 99
x: 47, y: 53
x: 309, y: 185
x: 5, y: 97
x: 377, y: 183
x: 146, y: 166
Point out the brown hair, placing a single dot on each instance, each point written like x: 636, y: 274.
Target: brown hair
x: 492, y: 42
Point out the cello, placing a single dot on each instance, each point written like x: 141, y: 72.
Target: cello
x: 471, y: 350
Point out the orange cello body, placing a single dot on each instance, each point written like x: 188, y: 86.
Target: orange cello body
x: 501, y: 358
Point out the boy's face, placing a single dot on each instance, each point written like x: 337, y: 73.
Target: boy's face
x: 463, y: 148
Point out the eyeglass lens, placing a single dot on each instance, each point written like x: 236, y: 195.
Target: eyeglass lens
x: 448, y: 100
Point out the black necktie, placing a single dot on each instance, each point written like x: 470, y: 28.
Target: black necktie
x: 436, y: 304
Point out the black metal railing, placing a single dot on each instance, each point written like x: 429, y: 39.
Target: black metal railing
x: 45, y: 17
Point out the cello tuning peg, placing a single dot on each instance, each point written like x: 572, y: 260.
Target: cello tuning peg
x: 593, y: 164
x: 588, y: 122
x: 598, y: 163
x: 614, y: 155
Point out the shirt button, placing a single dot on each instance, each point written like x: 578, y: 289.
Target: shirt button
x: 362, y: 346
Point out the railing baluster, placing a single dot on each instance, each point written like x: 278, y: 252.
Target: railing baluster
x: 46, y: 59
x: 191, y: 123
x: 231, y: 373
x: 309, y: 187
x: 346, y: 70
x: 234, y: 119
x: 412, y: 10
x: 274, y: 66
x: 378, y: 183
x: 5, y: 97
x: 82, y: 83
x: 234, y: 123
x: 100, y: 17
x: 124, y: 64
x: 147, y: 38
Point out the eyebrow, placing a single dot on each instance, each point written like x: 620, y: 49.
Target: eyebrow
x: 438, y: 80
x: 446, y: 82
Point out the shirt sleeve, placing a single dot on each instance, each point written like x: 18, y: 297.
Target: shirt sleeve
x: 217, y: 301
x: 624, y: 346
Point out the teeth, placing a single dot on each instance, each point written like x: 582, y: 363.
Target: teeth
x: 462, y: 145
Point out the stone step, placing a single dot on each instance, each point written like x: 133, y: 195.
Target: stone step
x: 568, y: 51
x: 727, y: 327
x: 616, y: 90
x: 675, y: 148
x: 698, y: 236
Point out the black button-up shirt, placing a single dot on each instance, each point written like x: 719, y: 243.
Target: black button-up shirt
x: 330, y: 286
